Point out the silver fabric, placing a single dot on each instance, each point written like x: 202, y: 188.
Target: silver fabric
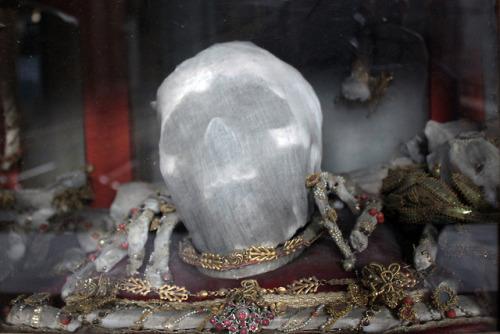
x: 240, y: 132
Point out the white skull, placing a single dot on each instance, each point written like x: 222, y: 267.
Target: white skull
x: 240, y: 132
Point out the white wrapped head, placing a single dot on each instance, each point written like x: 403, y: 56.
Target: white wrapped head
x: 240, y: 132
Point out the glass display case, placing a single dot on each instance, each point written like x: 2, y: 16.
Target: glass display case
x: 351, y: 147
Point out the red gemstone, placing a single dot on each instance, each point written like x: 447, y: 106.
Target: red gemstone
x: 95, y: 236
x: 98, y: 247
x: 88, y: 224
x: 121, y: 226
x: 227, y: 322
x: 65, y: 320
x: 242, y: 315
x: 253, y: 327
x: 363, y: 197
x: 243, y: 331
x: 381, y: 221
x: 314, y: 314
x: 219, y: 326
x: 166, y: 277
x: 380, y: 215
x: 232, y: 329
x: 257, y: 321
x: 6, y: 310
x: 271, y: 316
x: 134, y: 211
x: 43, y: 227
x: 265, y: 322
x: 92, y: 257
x: 451, y: 314
x: 124, y: 245
x: 372, y: 212
x: 212, y: 320
x: 407, y: 301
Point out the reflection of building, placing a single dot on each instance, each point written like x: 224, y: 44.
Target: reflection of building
x: 98, y: 73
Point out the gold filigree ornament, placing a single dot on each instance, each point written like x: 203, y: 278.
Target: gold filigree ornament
x: 336, y: 311
x: 138, y: 286
x: 243, y: 310
x: 90, y: 295
x: 407, y: 313
x: 386, y: 284
x: 312, y: 179
x: 37, y: 299
x: 243, y: 257
x: 416, y: 197
x: 73, y: 199
x: 444, y: 297
x: 304, y: 286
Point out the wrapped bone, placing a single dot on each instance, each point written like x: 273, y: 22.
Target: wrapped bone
x: 425, y: 252
x: 130, y: 195
x: 240, y: 132
x: 46, y: 317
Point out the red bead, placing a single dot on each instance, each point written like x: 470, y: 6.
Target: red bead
x: 227, y: 323
x: 271, y: 316
x: 314, y: 314
x: 381, y: 221
x: 134, y: 211
x: 219, y: 326
x: 95, y: 236
x: 242, y: 315
x: 372, y: 212
x: 121, y: 226
x: 212, y: 320
x: 43, y: 227
x: 92, y: 257
x: 65, y: 320
x: 124, y: 245
x: 166, y: 277
x: 363, y: 197
x: 407, y: 301
x: 253, y: 327
x: 380, y: 216
x: 88, y: 225
x: 232, y: 329
x: 98, y: 247
x: 6, y: 310
x: 451, y: 314
x: 243, y: 331
x: 265, y: 322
